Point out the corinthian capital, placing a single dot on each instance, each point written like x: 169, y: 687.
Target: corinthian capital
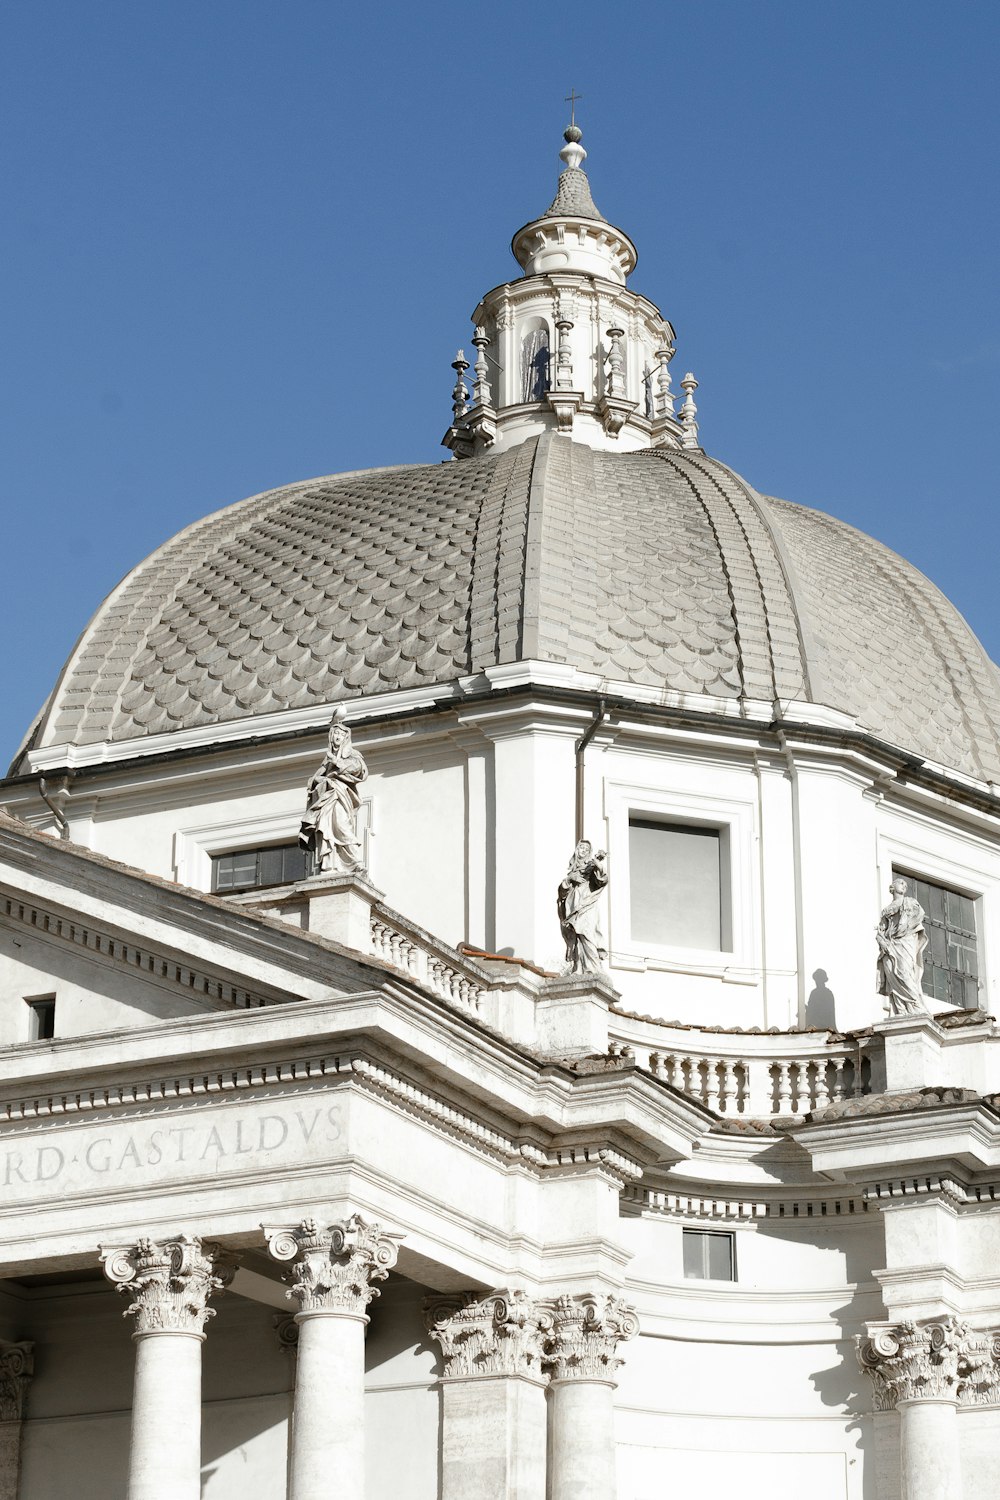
x: 943, y: 1361
x: 502, y: 1333
x: 332, y: 1269
x: 169, y: 1282
x: 16, y: 1367
x: 586, y: 1332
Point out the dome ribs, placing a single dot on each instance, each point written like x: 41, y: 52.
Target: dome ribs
x: 659, y: 568
x: 771, y: 656
x: 631, y: 586
x: 890, y: 643
x: 497, y: 585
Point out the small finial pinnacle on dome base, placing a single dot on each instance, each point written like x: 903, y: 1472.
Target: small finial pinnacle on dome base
x: 688, y: 413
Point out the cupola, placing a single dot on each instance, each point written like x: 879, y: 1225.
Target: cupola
x: 568, y: 347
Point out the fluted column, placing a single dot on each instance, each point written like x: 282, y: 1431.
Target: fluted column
x: 582, y: 1354
x: 169, y: 1284
x: 492, y: 1395
x: 16, y: 1362
x: 924, y: 1371
x: 331, y: 1275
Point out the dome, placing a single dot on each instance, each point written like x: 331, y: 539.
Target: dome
x: 659, y: 568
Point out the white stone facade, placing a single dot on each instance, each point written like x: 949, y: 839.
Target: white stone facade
x: 341, y: 1181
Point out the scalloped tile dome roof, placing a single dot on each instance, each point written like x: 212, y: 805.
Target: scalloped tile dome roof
x: 660, y: 568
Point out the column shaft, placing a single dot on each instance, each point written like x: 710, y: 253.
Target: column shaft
x: 930, y: 1462
x: 165, y: 1452
x: 582, y: 1450
x: 328, y: 1435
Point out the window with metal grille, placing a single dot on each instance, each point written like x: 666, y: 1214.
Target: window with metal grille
x: 951, y: 958
x: 709, y: 1255
x: 248, y: 869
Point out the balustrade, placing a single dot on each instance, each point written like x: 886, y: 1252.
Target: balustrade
x: 759, y: 1084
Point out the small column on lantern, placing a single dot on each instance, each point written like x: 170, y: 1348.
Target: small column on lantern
x: 563, y: 399
x: 689, y: 412
x: 458, y: 437
x: 614, y: 406
x: 481, y: 421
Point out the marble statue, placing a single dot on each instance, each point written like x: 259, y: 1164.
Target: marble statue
x: 579, y: 893
x: 330, y: 826
x: 901, y: 940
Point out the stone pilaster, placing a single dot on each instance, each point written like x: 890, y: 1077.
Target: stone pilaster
x: 582, y: 1355
x: 925, y: 1371
x: 331, y: 1272
x: 169, y: 1283
x: 16, y: 1365
x: 492, y: 1395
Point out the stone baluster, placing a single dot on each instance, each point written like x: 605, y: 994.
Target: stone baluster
x: 331, y: 1272
x: 493, y: 1423
x: 922, y: 1370
x: 582, y: 1356
x: 169, y: 1283
x: 784, y: 1088
x: 727, y: 1087
x: 840, y: 1077
x: 822, y: 1085
x: 16, y: 1364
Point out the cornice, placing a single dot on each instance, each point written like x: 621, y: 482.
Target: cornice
x: 546, y: 682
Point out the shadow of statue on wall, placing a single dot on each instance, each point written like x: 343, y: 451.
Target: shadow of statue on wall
x: 821, y: 1005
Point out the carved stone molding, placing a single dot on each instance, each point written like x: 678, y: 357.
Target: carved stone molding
x: 287, y: 1332
x: 169, y: 1282
x: 585, y: 1334
x: 501, y: 1334
x: 332, y: 1269
x: 16, y: 1368
x: 940, y: 1361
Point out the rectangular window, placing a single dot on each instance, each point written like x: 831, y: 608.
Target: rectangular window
x: 677, y: 889
x: 248, y: 869
x: 41, y: 1018
x: 951, y: 958
x: 709, y: 1256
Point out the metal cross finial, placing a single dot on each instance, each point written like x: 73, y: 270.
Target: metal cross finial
x: 572, y: 99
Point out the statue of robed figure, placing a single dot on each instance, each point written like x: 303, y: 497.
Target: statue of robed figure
x: 901, y: 940
x: 579, y: 893
x: 330, y: 825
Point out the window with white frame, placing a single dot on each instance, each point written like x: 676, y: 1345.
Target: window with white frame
x: 679, y: 884
x: 709, y: 1255
x: 951, y: 958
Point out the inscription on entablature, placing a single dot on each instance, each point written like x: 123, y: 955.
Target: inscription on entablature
x: 102, y: 1155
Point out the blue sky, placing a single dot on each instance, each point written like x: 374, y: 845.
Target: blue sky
x: 241, y: 242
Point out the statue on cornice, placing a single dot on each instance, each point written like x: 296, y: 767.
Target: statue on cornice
x: 579, y: 893
x: 330, y: 826
x: 901, y: 940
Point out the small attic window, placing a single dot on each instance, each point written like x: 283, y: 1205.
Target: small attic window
x: 253, y: 869
x: 41, y: 1017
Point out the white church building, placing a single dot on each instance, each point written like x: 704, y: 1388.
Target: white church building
x: 432, y: 1161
